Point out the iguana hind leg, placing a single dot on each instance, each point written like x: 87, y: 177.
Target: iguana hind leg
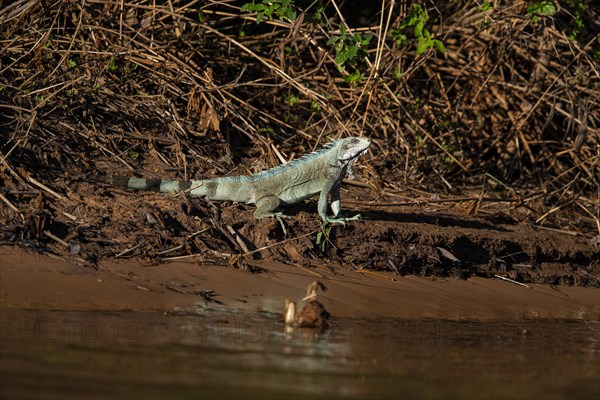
x: 265, y: 207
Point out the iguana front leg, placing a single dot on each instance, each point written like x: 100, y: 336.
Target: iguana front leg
x: 335, y: 200
x: 334, y: 189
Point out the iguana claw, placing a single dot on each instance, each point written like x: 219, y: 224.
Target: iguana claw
x: 343, y: 220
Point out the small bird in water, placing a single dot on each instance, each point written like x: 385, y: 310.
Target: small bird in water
x: 312, y: 315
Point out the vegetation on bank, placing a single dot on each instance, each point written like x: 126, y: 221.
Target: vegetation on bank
x: 499, y: 100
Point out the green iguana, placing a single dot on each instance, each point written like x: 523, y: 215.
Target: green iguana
x: 319, y: 172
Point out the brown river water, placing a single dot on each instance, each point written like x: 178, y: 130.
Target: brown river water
x: 213, y: 352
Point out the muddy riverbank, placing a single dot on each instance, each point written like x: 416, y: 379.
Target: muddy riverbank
x: 32, y: 281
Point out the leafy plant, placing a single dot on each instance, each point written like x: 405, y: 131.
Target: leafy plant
x: 354, y: 78
x: 486, y: 6
x: 323, y: 236
x: 349, y: 48
x: 131, y: 67
x: 318, y: 15
x: 416, y: 19
x: 282, y: 9
x: 544, y: 8
x: 578, y: 24
x: 399, y: 37
x: 315, y: 106
x: 267, y: 129
x: 112, y: 65
x: 291, y: 99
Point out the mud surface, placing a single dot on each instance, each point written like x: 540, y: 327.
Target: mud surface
x: 34, y: 282
x: 435, y: 239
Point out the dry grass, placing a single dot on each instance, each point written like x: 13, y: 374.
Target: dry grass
x: 510, y: 112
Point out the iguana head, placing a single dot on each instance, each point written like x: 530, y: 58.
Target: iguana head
x: 352, y: 147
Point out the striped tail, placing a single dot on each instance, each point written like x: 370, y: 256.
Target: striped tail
x: 230, y: 188
x: 155, y: 185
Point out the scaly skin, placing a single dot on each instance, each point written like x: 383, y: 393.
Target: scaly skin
x: 320, y: 172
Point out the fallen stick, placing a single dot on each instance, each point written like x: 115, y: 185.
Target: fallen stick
x: 8, y: 203
x: 121, y: 254
x: 511, y: 281
x: 56, y: 239
x: 238, y: 239
x: 375, y: 274
x: 172, y: 249
x: 47, y: 189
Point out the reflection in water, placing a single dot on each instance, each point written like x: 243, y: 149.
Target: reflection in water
x: 135, y: 355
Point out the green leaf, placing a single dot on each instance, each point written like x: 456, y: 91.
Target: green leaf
x: 545, y: 8
x: 400, y: 38
x: 367, y: 39
x: 417, y: 19
x: 268, y: 12
x: 352, y: 50
x: 354, y: 79
x: 333, y: 40
x: 291, y: 14
x: 341, y: 57
x: 421, y: 47
x: 112, y: 65
x: 292, y: 99
x: 439, y: 46
x: 548, y: 8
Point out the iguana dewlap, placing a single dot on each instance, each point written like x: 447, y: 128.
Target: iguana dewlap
x: 320, y: 172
